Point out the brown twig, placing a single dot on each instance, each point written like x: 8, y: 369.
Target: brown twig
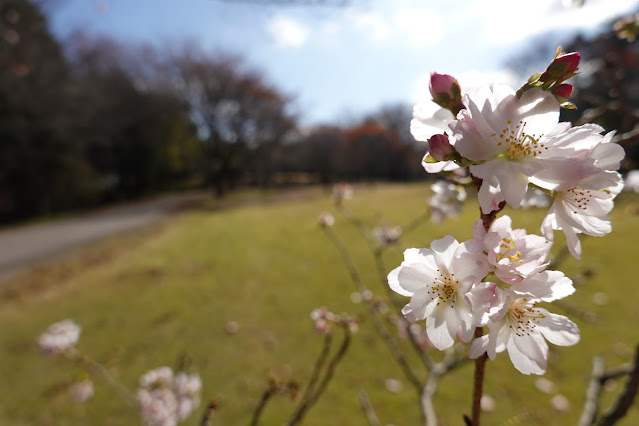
x: 312, y: 397
x: 478, y: 382
x: 208, y: 413
x: 626, y: 398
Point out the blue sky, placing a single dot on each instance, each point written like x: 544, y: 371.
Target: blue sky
x: 341, y: 62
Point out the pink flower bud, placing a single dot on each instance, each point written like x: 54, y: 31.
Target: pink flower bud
x: 563, y: 92
x: 562, y: 67
x: 441, y: 85
x: 440, y: 148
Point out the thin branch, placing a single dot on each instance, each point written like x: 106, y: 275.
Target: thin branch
x: 312, y: 398
x: 96, y: 369
x: 381, y: 271
x: 450, y: 362
x: 478, y: 384
x: 392, y: 345
x: 626, y: 398
x: 591, y: 405
x: 317, y: 368
x: 266, y: 396
x: 208, y: 413
x: 368, y: 410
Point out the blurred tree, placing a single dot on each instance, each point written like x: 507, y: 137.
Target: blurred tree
x: 607, y: 88
x: 369, y: 151
x: 41, y: 165
x: 318, y: 153
x: 241, y: 120
x: 136, y: 130
x: 394, y: 118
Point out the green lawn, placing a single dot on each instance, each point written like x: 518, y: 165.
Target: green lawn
x: 148, y: 299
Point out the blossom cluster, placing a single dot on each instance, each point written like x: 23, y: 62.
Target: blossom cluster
x: 511, y: 146
x: 513, y: 142
x: 166, y: 399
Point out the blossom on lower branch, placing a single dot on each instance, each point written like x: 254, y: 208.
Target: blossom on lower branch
x: 166, y: 399
x: 522, y: 329
x: 444, y: 283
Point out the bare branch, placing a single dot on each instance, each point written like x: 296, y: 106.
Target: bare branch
x: 392, y: 345
x: 591, y: 405
x: 626, y: 398
x: 315, y: 393
x: 367, y: 408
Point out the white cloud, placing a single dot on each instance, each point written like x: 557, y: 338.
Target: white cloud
x: 287, y: 32
x: 373, y: 24
x: 506, y: 21
x: 423, y: 26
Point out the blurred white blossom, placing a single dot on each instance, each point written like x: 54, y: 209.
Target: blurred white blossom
x: 632, y: 181
x: 535, y: 197
x: 387, y: 235
x: 59, y: 337
x: 82, y: 391
x: 447, y: 200
x: 166, y: 399
x: 326, y: 219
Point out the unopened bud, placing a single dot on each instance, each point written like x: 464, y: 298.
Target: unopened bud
x: 562, y: 67
x: 440, y: 148
x: 563, y: 92
x: 446, y: 92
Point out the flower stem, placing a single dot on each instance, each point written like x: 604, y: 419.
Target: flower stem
x: 478, y: 385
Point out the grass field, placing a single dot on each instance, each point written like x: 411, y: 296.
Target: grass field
x: 149, y: 298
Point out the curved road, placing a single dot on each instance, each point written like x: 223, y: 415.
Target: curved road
x: 28, y: 245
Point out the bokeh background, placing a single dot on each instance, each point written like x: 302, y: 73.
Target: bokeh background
x: 239, y: 117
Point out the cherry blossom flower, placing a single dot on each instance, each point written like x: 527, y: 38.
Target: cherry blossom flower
x: 519, y: 141
x: 583, y: 208
x: 59, y: 337
x: 444, y: 285
x: 522, y: 329
x: 513, y: 254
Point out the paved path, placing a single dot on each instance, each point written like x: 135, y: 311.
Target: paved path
x: 28, y: 245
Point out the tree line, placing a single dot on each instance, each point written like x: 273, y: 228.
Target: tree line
x: 93, y: 121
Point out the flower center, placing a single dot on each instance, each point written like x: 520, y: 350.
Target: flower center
x: 579, y: 198
x: 506, y: 245
x: 523, y: 318
x: 444, y: 288
x: 517, y: 143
